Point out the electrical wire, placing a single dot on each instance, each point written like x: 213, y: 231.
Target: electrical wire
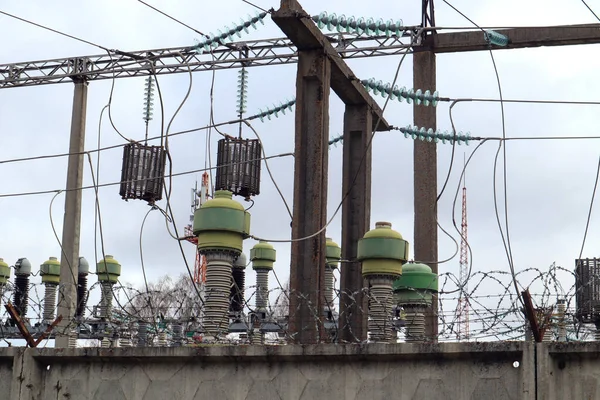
x: 362, y: 161
x: 287, y: 207
x: 590, y: 8
x: 55, y: 31
x: 174, y: 19
x: 505, y: 241
x: 589, y: 216
x: 260, y: 8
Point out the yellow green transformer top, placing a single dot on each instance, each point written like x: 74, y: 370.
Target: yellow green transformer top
x: 382, y: 251
x: 4, y: 272
x: 221, y: 223
x: 263, y: 255
x: 334, y: 253
x: 50, y: 271
x: 108, y: 270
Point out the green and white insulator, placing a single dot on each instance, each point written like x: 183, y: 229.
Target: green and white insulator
x: 414, y: 291
x: 50, y: 272
x: 221, y: 224
x: 332, y: 260
x: 263, y: 256
x: 382, y: 252
x: 108, y: 271
x: 4, y: 273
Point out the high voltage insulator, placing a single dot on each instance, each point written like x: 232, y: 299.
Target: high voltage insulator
x: 334, y: 141
x: 148, y: 98
x: 495, y: 38
x: 385, y: 90
x: 274, y: 111
x: 242, y: 91
x: 360, y: 26
x: 429, y: 135
x: 227, y: 35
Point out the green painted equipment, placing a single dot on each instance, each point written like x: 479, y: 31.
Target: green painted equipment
x: 416, y: 285
x: 50, y: 271
x: 221, y: 223
x: 263, y: 256
x: 4, y: 272
x: 108, y: 270
x: 334, y: 253
x: 382, y: 251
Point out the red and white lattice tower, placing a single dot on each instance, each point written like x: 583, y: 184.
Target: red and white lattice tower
x: 462, y: 310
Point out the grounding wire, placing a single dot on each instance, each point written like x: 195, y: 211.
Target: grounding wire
x: 174, y: 19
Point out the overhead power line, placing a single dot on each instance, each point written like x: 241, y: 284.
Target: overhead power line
x: 173, y: 18
x: 590, y: 8
x: 55, y: 31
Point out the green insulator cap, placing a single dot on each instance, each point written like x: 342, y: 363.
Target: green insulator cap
x: 4, y: 272
x: 108, y: 270
x: 50, y: 271
x: 334, y: 253
x: 416, y: 285
x: 263, y: 255
x: 382, y: 251
x: 221, y: 223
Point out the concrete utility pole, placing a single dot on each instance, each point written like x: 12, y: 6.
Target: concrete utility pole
x: 67, y: 297
x: 425, y: 183
x: 319, y: 66
x: 356, y: 214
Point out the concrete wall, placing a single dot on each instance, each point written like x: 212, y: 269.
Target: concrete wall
x: 403, y: 371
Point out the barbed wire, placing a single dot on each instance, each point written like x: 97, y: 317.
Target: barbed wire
x: 169, y: 312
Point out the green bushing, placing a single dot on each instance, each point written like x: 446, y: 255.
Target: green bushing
x: 50, y: 271
x: 334, y: 253
x: 416, y: 285
x: 263, y: 255
x: 382, y: 251
x: 4, y: 272
x: 108, y: 270
x: 221, y: 223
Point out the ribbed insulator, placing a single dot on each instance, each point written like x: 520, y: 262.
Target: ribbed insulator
x: 328, y: 288
x: 125, y: 342
x: 262, y: 289
x: 218, y: 289
x: 415, y: 323
x: 105, y: 343
x: 162, y: 339
x: 562, y: 325
x: 49, y: 302
x: 177, y: 335
x: 73, y: 335
x: 82, y: 295
x: 380, y: 309
x: 237, y: 290
x: 548, y: 335
x: 21, y: 296
x: 274, y: 111
x: 142, y: 334
x: 106, y: 300
x: 597, y: 335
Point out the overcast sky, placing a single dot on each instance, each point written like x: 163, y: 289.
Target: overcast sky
x: 549, y: 182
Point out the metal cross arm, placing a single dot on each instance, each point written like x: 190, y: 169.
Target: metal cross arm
x: 562, y: 35
x: 177, y: 60
x: 298, y: 26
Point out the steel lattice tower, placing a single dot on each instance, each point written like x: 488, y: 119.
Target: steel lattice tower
x: 462, y: 310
